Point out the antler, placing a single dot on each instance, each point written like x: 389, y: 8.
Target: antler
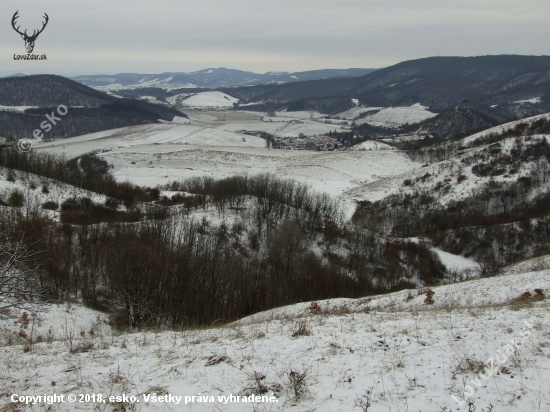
x: 13, y: 21
x: 34, y: 34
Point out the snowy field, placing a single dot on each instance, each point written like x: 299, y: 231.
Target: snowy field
x: 210, y: 99
x: 215, y: 144
x: 371, y: 145
x: 397, y: 116
x: 388, y: 116
x: 300, y: 115
x: 476, y: 343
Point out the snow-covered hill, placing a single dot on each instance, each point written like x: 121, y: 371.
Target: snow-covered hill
x: 482, y: 342
x: 452, y: 178
x: 38, y: 190
x: 209, y: 100
x: 397, y: 116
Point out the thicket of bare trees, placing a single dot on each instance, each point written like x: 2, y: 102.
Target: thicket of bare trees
x: 20, y: 277
x: 161, y: 273
x: 170, y: 270
x: 272, y: 200
x: 86, y: 172
x: 157, y: 266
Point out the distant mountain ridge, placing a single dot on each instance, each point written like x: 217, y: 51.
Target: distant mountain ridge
x: 440, y: 83
x: 213, y: 77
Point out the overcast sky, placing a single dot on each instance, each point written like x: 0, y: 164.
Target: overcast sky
x: 144, y: 36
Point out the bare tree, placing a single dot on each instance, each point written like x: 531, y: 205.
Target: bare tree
x: 20, y: 286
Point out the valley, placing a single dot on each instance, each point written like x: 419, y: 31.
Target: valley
x: 217, y: 144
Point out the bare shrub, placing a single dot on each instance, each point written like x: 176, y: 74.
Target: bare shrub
x: 315, y: 308
x: 16, y: 198
x: 364, y: 402
x: 119, y: 320
x: 429, y: 300
x: 216, y: 358
x: 297, y: 383
x: 301, y: 329
x: 50, y: 205
x: 257, y: 384
x: 468, y: 365
x: 527, y: 299
x: 83, y: 346
x: 489, y: 267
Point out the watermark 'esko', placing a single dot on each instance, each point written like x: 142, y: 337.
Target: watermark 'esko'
x: 29, y: 40
x: 47, y: 125
x: 25, y: 145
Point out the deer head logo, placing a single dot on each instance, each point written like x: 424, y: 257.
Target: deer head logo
x: 29, y: 40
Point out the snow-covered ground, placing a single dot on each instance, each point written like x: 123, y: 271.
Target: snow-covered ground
x: 395, y: 352
x: 484, y: 292
x: 53, y: 322
x: 503, y: 128
x: 174, y: 99
x: 455, y: 262
x: 300, y: 115
x: 285, y: 127
x: 398, y: 116
x: 529, y: 265
x: 372, y: 145
x: 330, y: 172
x: 210, y: 99
x: 32, y: 187
x: 388, y: 116
x: 156, y: 134
x: 354, y: 112
x: 17, y: 109
x: 152, y: 99
x: 534, y: 100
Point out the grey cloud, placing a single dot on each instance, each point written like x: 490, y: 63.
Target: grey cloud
x: 171, y: 35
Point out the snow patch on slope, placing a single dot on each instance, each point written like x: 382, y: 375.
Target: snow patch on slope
x: 210, y: 99
x: 397, y: 116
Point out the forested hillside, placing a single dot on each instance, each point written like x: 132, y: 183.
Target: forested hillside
x: 88, y: 110
x: 48, y: 91
x: 440, y: 83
